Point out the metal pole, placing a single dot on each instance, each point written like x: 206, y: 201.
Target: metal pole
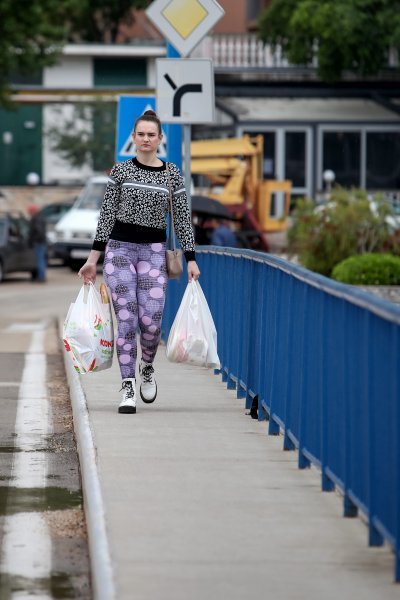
x: 174, y: 132
x: 187, y: 137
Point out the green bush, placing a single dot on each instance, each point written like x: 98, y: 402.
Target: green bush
x: 369, y: 269
x: 347, y: 225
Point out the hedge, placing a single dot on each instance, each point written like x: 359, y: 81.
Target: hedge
x: 369, y: 269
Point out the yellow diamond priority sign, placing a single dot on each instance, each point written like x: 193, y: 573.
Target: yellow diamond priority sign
x: 184, y: 16
x: 184, y: 22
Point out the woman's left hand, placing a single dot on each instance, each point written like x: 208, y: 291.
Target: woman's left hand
x: 193, y: 270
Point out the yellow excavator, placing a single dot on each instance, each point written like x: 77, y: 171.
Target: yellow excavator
x: 234, y: 170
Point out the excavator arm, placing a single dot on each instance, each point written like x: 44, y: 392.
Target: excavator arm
x: 228, y: 172
x: 235, y: 166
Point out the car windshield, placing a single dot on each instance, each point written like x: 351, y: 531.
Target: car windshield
x: 91, y: 196
x: 53, y: 212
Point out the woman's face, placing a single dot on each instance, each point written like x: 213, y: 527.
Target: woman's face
x: 146, y: 136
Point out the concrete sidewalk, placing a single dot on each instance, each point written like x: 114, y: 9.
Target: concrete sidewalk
x: 201, y: 504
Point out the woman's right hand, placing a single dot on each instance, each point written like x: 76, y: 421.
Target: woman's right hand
x: 88, y: 272
x: 89, y: 269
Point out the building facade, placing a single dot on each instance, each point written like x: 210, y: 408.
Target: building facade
x: 86, y: 75
x: 352, y: 128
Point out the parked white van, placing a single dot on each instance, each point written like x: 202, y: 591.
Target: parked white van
x: 74, y: 232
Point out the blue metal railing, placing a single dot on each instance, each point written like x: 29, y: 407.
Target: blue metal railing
x: 323, y: 360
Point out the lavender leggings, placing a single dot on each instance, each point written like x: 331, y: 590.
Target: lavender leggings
x: 137, y: 278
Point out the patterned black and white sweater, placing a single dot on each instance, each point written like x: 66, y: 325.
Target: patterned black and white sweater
x: 136, y: 203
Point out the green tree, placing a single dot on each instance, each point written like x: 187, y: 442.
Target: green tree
x: 87, y: 137
x: 31, y: 36
x: 344, y: 35
x: 32, y: 33
x: 99, y: 20
x: 349, y: 224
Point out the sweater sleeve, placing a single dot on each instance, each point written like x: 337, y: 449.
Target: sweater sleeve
x: 182, y: 216
x: 108, y: 210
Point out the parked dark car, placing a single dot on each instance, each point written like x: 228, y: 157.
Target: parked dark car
x: 15, y: 253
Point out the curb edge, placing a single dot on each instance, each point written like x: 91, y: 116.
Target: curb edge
x: 99, y: 554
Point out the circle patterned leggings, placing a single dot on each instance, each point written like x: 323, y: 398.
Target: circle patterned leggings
x: 136, y: 275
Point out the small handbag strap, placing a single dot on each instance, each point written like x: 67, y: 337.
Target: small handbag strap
x: 172, y: 226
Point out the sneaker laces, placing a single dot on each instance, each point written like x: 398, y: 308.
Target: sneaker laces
x: 128, y: 389
x: 147, y: 374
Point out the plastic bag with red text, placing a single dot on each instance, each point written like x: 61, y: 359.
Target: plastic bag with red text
x: 88, y: 332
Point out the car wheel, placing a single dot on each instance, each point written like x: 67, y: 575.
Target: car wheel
x: 34, y: 274
x: 1, y: 272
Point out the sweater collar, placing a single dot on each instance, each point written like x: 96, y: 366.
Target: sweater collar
x: 147, y: 167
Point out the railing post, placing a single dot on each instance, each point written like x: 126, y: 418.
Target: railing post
x: 396, y: 384
x: 375, y: 538
x: 350, y: 510
x: 332, y: 355
x: 247, y: 346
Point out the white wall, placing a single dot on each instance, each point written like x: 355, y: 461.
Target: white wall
x: 71, y: 72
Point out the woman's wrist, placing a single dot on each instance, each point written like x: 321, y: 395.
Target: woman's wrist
x: 93, y: 257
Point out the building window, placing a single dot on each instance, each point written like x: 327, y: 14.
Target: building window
x: 269, y: 165
x: 383, y: 165
x: 295, y: 158
x: 254, y: 8
x: 34, y: 78
x: 119, y: 72
x: 342, y: 154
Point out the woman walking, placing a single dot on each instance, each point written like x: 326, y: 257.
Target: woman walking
x: 132, y: 233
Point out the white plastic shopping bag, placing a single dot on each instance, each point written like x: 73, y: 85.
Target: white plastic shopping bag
x: 88, y: 332
x: 193, y: 337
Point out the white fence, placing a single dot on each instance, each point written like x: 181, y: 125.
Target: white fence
x: 241, y: 50
x: 246, y: 50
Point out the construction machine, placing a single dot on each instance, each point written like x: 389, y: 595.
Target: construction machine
x: 234, y: 170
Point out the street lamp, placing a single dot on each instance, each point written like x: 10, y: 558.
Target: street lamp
x: 7, y: 138
x: 329, y: 177
x: 32, y: 179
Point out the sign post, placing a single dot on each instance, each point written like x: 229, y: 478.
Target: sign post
x: 174, y: 132
x: 185, y: 94
x: 187, y: 138
x: 185, y: 87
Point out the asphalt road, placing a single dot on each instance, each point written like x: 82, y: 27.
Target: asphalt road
x: 43, y: 545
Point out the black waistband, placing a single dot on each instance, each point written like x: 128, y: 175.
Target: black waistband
x: 137, y: 234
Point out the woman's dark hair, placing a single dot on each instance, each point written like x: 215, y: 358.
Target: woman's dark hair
x: 151, y: 117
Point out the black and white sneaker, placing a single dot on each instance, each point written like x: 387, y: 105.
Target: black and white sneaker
x: 148, y: 386
x: 128, y: 402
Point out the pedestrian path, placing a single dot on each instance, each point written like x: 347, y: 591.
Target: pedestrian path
x: 201, y: 504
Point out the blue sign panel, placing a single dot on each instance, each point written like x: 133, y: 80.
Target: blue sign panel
x: 129, y: 109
